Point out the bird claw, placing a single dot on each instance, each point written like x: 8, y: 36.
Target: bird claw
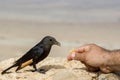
x: 42, y: 71
x: 34, y: 70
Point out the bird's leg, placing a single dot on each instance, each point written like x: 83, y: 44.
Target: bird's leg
x: 18, y: 68
x: 34, y: 65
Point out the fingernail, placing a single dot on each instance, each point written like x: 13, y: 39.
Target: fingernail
x: 73, y: 56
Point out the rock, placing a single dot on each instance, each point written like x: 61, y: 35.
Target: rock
x: 55, y: 69
x: 110, y: 76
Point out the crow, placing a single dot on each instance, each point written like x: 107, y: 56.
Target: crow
x: 35, y: 54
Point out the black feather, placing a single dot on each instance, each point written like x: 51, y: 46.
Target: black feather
x: 37, y: 53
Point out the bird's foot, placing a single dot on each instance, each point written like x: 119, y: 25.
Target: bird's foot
x: 34, y: 70
x: 42, y: 71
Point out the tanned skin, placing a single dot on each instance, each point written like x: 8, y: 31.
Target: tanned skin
x: 97, y: 58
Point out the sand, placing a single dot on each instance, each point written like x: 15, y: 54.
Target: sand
x: 55, y: 69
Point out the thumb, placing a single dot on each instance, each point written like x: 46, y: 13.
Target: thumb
x: 77, y: 56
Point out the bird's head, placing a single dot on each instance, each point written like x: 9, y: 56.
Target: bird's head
x: 49, y: 40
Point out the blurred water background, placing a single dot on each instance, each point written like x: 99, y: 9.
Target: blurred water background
x: 23, y: 23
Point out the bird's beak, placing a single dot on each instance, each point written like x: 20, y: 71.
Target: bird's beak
x: 57, y: 43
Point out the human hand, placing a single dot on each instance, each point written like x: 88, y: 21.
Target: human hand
x: 93, y: 56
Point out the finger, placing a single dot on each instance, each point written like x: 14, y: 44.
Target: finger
x: 69, y: 58
x: 76, y: 56
x: 82, y: 49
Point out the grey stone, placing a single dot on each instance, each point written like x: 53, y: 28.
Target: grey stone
x: 110, y: 76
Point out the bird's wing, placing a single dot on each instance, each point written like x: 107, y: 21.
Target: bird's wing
x: 35, y: 51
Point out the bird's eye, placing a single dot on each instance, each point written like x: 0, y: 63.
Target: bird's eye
x: 50, y: 39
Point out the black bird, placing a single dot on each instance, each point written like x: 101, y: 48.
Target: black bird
x: 35, y: 54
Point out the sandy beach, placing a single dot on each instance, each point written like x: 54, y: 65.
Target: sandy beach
x: 56, y: 68
x: 72, y: 22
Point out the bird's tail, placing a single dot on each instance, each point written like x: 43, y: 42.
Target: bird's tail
x: 3, y: 72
